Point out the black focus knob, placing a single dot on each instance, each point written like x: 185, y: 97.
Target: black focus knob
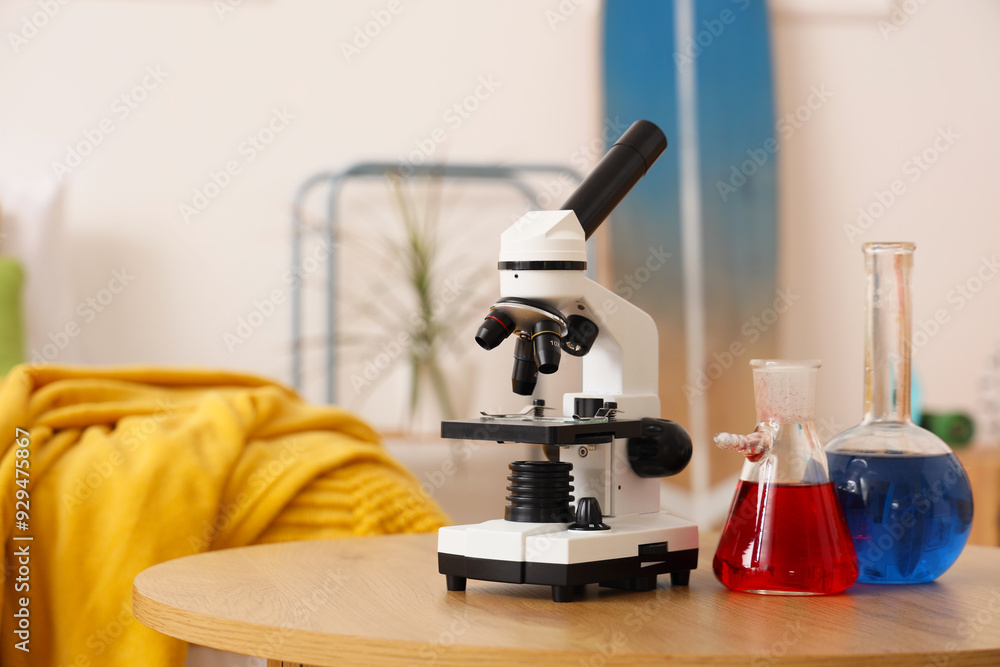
x: 589, y: 516
x: 663, y: 449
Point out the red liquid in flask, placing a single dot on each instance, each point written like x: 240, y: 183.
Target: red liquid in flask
x: 786, y: 538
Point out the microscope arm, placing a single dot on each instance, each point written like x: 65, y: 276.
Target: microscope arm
x: 624, y: 358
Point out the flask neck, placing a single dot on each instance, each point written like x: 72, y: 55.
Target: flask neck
x: 785, y: 391
x: 784, y: 448
x: 888, y: 332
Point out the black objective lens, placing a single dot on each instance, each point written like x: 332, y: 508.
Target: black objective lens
x: 494, y: 329
x: 525, y: 373
x: 545, y: 338
x: 580, y: 337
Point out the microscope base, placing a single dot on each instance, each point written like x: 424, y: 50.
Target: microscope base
x: 628, y: 557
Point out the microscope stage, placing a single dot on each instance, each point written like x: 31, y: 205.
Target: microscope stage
x: 542, y: 431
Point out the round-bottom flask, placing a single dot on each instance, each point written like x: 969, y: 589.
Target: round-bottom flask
x: 906, y: 497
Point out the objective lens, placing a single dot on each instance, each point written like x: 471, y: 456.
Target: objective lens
x: 580, y: 337
x: 525, y: 373
x: 545, y: 338
x: 494, y: 329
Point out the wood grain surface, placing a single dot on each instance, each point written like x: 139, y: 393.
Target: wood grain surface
x: 380, y: 601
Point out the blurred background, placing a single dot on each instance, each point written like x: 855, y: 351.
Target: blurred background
x: 156, y: 156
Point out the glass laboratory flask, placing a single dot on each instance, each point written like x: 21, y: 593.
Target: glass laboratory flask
x: 786, y: 533
x: 906, y: 497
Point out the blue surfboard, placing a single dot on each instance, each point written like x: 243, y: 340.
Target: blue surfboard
x: 702, y: 72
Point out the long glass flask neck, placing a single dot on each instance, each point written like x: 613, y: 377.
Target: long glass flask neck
x: 887, y: 332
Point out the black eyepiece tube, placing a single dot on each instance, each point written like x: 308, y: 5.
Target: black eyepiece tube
x: 620, y: 169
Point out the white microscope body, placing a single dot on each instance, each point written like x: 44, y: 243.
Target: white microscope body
x: 620, y: 538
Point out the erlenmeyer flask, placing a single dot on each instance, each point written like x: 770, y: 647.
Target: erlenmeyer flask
x: 786, y: 533
x: 906, y: 497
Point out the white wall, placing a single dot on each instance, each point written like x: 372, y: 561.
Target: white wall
x: 895, y: 86
x: 223, y: 78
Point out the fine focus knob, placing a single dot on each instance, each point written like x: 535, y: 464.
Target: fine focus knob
x: 588, y: 515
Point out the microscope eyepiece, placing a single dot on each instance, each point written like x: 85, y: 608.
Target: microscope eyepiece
x: 525, y: 373
x: 494, y: 329
x: 623, y: 165
x: 545, y: 338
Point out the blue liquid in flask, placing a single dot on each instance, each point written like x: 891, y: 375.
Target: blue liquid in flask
x: 909, y: 515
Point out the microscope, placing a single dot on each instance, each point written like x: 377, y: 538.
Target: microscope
x: 590, y: 512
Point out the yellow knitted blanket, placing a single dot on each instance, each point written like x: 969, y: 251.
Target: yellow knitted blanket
x: 107, y: 471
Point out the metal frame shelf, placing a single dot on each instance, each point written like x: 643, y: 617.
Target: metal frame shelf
x: 510, y: 175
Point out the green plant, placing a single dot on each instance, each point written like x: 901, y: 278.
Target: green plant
x: 420, y: 290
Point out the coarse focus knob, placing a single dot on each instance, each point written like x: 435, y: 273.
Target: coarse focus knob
x: 663, y: 449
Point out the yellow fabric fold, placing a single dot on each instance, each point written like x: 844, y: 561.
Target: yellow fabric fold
x: 133, y: 466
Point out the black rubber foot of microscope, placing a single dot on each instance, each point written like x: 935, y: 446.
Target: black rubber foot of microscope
x: 455, y: 583
x: 563, y: 593
x: 638, y: 584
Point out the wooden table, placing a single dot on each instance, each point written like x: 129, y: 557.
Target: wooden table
x: 380, y: 600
